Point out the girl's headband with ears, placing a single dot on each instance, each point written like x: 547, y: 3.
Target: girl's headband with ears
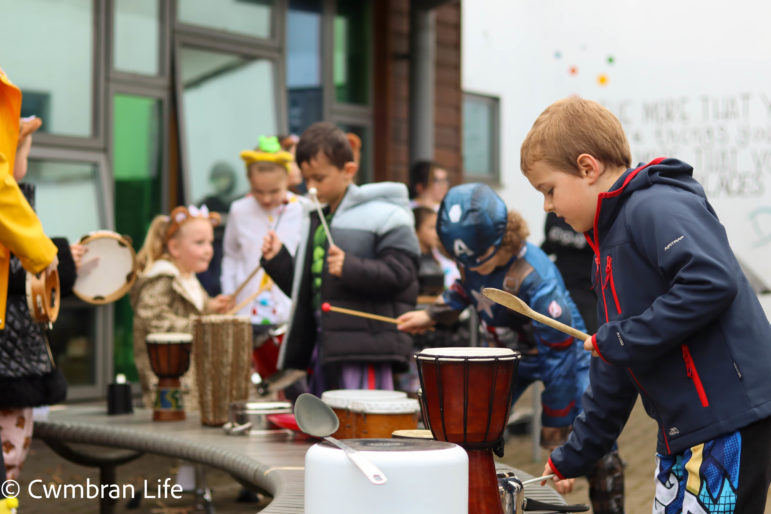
x: 181, y: 215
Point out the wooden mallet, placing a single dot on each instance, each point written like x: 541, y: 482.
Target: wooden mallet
x: 516, y: 304
x: 326, y: 307
x: 312, y: 191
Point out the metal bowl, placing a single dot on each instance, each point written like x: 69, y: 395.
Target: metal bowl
x: 251, y: 417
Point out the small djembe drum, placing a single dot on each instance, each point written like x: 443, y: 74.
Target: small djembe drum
x: 170, y: 358
x: 467, y: 398
x: 341, y: 401
x: 222, y: 355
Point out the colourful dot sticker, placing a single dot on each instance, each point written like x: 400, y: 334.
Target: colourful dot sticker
x: 602, y: 79
x: 573, y: 70
x: 611, y: 59
x: 558, y: 55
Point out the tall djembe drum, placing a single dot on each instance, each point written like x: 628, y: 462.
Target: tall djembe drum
x: 222, y: 355
x: 466, y: 399
x: 170, y: 358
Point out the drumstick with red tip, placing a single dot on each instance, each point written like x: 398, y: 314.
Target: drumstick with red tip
x: 312, y: 191
x: 326, y: 307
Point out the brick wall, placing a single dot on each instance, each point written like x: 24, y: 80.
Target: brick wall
x: 391, y: 90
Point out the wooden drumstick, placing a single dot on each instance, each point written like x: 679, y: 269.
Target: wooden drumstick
x: 326, y: 308
x: 516, y: 304
x: 246, y: 301
x: 312, y: 191
x: 241, y: 287
x: 246, y: 281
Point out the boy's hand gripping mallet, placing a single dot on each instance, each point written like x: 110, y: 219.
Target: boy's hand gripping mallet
x: 512, y: 302
x: 312, y: 191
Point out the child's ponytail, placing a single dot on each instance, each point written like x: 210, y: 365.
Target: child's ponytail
x: 154, y: 246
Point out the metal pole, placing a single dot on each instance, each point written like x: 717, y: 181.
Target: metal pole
x: 422, y: 80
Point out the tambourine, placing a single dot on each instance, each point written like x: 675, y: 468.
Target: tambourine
x: 108, y: 269
x: 43, y: 295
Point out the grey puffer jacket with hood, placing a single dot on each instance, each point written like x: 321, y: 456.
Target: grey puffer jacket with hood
x: 374, y: 226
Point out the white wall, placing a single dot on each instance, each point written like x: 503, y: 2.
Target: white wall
x: 690, y: 80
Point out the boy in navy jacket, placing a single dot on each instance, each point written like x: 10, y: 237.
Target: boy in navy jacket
x: 679, y: 323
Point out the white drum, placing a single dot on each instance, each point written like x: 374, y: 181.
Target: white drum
x: 341, y: 399
x: 423, y: 476
x: 108, y: 270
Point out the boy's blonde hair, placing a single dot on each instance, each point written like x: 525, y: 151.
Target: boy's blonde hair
x: 570, y: 127
x: 516, y: 232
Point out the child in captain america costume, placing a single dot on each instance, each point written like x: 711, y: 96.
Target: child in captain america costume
x: 489, y: 244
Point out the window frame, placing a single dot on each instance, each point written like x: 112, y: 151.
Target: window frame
x: 103, y: 315
x: 341, y: 112
x: 162, y: 78
x: 95, y: 141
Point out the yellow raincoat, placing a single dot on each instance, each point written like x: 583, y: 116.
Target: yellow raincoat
x: 20, y: 229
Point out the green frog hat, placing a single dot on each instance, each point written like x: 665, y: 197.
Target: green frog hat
x: 268, y: 150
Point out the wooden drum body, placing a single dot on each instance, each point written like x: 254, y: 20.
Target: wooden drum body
x: 380, y: 418
x: 170, y: 358
x: 341, y: 401
x: 467, y: 399
x: 222, y: 355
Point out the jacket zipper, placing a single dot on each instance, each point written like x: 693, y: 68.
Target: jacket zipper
x: 690, y: 370
x: 609, y: 278
x: 602, y: 286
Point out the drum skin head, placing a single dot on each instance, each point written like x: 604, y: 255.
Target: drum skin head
x: 108, y: 270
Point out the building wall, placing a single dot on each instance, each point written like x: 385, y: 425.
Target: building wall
x: 707, y: 104
x: 391, y: 109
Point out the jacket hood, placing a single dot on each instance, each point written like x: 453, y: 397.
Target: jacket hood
x: 162, y: 267
x: 671, y: 172
x: 391, y: 192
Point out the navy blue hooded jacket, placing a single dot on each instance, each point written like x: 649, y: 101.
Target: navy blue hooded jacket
x: 681, y: 325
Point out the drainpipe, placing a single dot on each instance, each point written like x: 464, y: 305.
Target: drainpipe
x: 422, y: 80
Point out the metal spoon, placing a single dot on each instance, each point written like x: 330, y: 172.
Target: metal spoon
x: 316, y: 418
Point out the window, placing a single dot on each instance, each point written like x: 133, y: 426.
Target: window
x: 481, y: 137
x: 136, y: 37
x: 74, y: 343
x: 137, y: 157
x: 247, y: 17
x: 51, y: 59
x: 77, y: 182
x: 229, y: 101
x: 303, y: 64
x: 352, y: 49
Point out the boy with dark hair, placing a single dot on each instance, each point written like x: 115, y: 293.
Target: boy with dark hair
x: 372, y: 267
x: 680, y: 324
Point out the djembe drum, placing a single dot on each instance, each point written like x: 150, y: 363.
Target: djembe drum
x: 467, y: 398
x: 222, y: 355
x: 170, y: 358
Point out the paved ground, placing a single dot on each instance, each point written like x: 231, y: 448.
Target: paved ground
x: 637, y: 445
